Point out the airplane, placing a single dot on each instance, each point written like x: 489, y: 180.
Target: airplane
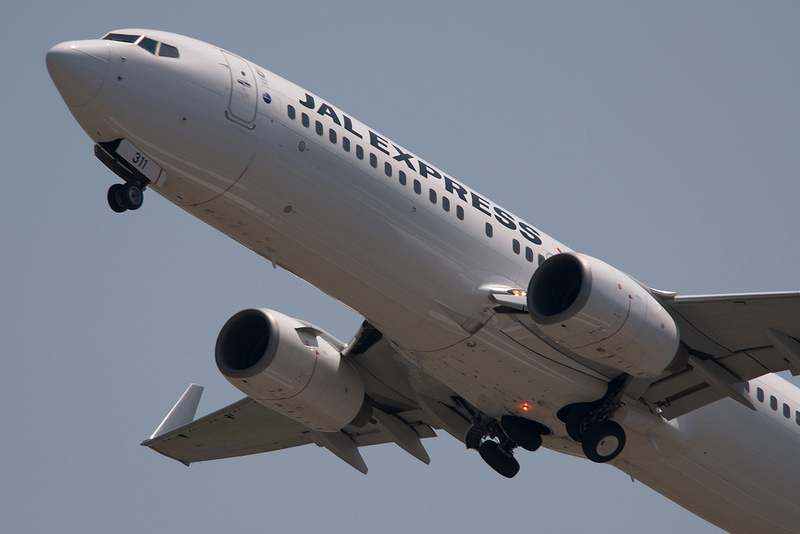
x: 476, y: 322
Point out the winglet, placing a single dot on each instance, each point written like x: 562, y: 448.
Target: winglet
x: 182, y: 413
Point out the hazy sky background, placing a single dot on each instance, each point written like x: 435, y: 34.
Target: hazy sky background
x: 661, y: 137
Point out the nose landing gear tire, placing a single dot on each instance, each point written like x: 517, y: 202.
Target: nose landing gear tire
x: 123, y: 197
x: 132, y: 196
x: 115, y: 200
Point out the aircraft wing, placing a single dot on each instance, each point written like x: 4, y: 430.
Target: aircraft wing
x: 729, y: 339
x: 248, y: 427
x: 245, y: 427
x: 726, y: 340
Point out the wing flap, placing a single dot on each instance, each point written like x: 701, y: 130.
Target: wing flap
x: 729, y: 335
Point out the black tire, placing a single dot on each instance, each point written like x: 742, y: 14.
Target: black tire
x: 576, y: 417
x: 501, y: 461
x: 132, y: 196
x: 115, y: 200
x: 604, y: 441
x: 524, y: 432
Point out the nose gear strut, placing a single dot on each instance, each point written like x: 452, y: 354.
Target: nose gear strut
x: 128, y: 195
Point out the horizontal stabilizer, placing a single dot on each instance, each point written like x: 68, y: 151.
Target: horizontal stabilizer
x: 182, y: 413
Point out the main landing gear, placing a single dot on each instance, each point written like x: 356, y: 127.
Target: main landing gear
x: 601, y: 439
x: 590, y: 424
x: 124, y: 197
x: 496, y: 440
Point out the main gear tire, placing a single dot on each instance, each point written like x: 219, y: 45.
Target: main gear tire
x: 498, y: 459
x: 603, y: 441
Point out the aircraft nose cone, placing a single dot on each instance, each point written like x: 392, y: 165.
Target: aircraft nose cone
x: 78, y: 70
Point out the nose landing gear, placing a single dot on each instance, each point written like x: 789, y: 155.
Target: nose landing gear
x: 129, y: 194
x: 123, y: 197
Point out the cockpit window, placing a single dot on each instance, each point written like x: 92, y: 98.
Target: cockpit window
x: 121, y: 37
x: 149, y: 45
x: 168, y: 51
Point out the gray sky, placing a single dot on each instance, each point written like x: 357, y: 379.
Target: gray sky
x: 661, y: 137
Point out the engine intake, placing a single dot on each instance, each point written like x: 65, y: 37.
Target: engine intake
x: 601, y: 313
x: 292, y: 368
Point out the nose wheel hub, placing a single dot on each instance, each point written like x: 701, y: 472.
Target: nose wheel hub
x: 123, y: 197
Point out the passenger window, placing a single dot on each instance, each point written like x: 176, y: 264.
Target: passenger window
x: 346, y: 144
x: 760, y: 394
x: 787, y: 412
x: 747, y: 387
x: 797, y: 417
x: 332, y: 135
x: 445, y: 204
x: 373, y: 160
x: 460, y: 213
x: 432, y: 196
x: 319, y: 128
x: 529, y: 254
x: 417, y: 187
x: 168, y: 51
x: 291, y: 112
x: 359, y: 152
x: 401, y: 176
x: 773, y: 402
x: 305, y: 120
x: 387, y: 169
x: 489, y: 230
x: 515, y: 245
x: 149, y: 45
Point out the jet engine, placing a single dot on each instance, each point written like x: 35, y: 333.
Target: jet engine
x: 293, y: 368
x: 601, y: 313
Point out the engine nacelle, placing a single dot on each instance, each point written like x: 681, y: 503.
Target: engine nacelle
x: 292, y: 368
x: 600, y: 313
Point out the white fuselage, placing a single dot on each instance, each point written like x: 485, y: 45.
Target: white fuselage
x: 417, y: 253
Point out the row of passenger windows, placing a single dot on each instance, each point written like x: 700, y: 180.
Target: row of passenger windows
x: 402, y: 178
x: 773, y: 403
